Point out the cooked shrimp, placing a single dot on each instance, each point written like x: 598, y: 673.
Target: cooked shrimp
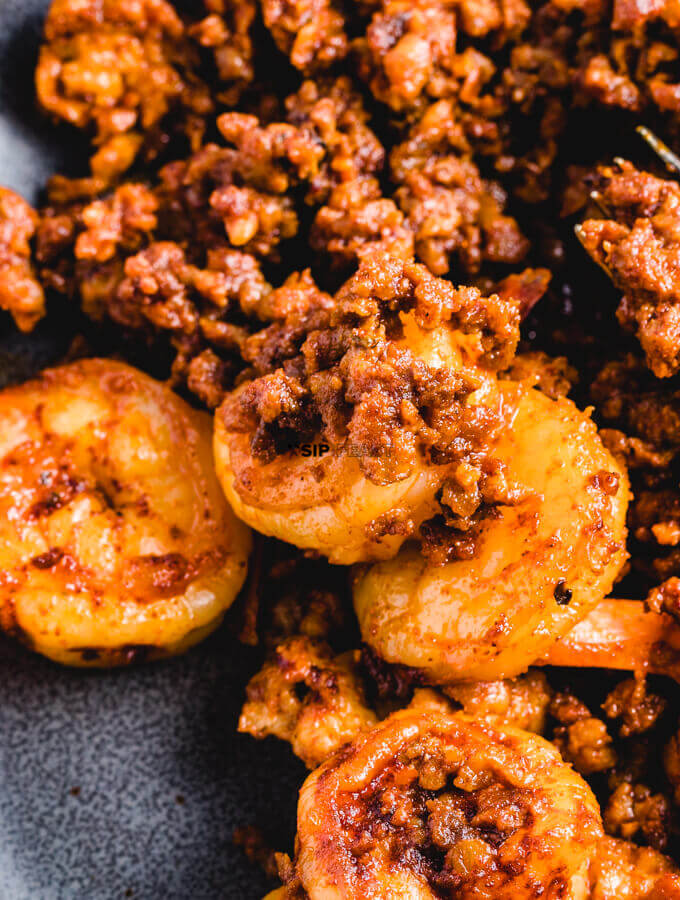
x: 621, y: 634
x: 115, y: 538
x: 622, y: 871
x: 325, y: 502
x: 390, y: 406
x: 540, y: 566
x: 427, y: 804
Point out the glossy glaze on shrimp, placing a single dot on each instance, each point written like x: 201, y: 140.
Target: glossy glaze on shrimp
x: 426, y: 805
x: 540, y: 566
x: 392, y: 389
x: 621, y: 634
x: 115, y: 538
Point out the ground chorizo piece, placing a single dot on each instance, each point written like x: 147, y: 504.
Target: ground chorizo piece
x: 119, y: 69
x: 334, y: 116
x: 646, y: 433
x: 21, y: 294
x: 639, y: 246
x: 581, y: 738
x: 226, y: 31
x: 638, y: 709
x: 240, y: 194
x: 453, y: 212
x: 308, y: 697
x: 633, y: 809
x: 310, y: 32
x: 82, y: 244
x: 358, y: 219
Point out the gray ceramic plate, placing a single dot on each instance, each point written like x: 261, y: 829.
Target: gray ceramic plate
x: 130, y: 783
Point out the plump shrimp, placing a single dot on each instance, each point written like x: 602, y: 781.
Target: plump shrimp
x: 427, y: 804
x: 344, y: 447
x: 621, y: 634
x: 540, y: 566
x: 115, y: 538
x: 325, y: 502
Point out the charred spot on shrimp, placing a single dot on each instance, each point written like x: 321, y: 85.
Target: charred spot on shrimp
x: 49, y: 559
x: 562, y: 593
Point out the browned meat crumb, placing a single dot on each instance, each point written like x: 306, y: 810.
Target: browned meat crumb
x: 639, y: 246
x: 307, y: 697
x: 665, y: 598
x: 357, y: 220
x: 646, y: 435
x: 21, y: 294
x: 407, y: 51
x: 226, y: 31
x: 334, y: 116
x: 82, y: 243
x: 633, y: 809
x: 522, y: 701
x: 118, y: 68
x: 581, y: 738
x: 310, y: 32
x: 238, y: 194
x: 454, y: 213
x: 637, y: 709
x: 348, y: 376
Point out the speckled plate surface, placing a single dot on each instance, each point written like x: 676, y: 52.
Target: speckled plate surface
x: 126, y: 783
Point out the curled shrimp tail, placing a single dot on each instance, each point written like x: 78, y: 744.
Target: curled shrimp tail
x: 621, y: 634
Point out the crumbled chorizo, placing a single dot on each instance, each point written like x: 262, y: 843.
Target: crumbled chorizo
x: 119, y: 68
x: 453, y: 212
x: 357, y: 220
x: 632, y: 809
x: 639, y: 245
x: 522, y: 701
x: 310, y: 32
x: 581, y: 738
x: 355, y: 392
x: 226, y: 31
x: 306, y: 696
x: 333, y: 115
x: 21, y: 294
x: 637, y: 709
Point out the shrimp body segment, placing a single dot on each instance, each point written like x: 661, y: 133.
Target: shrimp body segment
x: 539, y: 566
x: 427, y: 804
x: 115, y: 538
x: 323, y: 501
